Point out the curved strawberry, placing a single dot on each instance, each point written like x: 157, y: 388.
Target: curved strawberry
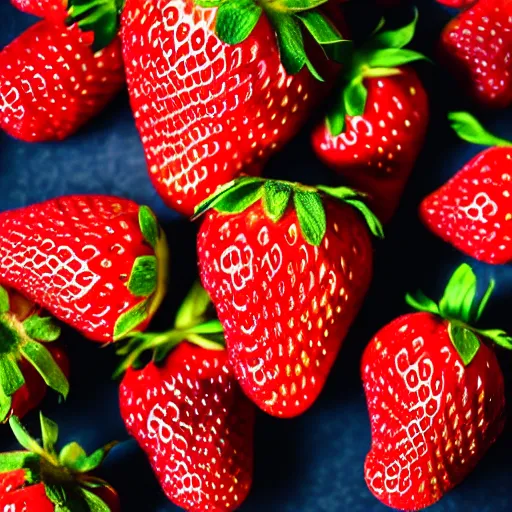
x: 373, y: 135
x: 43, y: 480
x: 98, y: 263
x: 435, y: 396
x: 51, y: 10
x: 287, y: 282
x: 188, y: 413
x: 477, y: 47
x: 472, y: 210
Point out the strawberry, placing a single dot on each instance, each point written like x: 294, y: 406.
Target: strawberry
x: 287, y: 282
x: 28, y: 361
x: 52, y: 83
x: 477, y: 47
x: 374, y: 133
x: 98, y: 263
x: 188, y: 413
x: 472, y: 210
x: 435, y: 396
x: 52, y: 10
x: 213, y: 95
x: 43, y: 480
x: 459, y: 4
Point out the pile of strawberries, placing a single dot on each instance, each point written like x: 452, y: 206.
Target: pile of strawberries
x: 217, y: 87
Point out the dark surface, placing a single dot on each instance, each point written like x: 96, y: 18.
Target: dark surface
x: 313, y: 463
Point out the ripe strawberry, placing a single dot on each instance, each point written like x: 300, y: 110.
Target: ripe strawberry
x: 472, y: 210
x: 188, y: 413
x: 28, y: 362
x: 52, y: 83
x: 97, y: 263
x: 42, y: 480
x: 287, y: 282
x: 477, y: 47
x: 51, y: 10
x: 374, y: 134
x: 213, y: 95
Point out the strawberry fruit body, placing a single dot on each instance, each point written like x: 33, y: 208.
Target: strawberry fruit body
x: 477, y: 47
x: 435, y: 396
x: 374, y: 133
x: 459, y: 4
x: 472, y: 210
x: 97, y: 263
x: 287, y: 282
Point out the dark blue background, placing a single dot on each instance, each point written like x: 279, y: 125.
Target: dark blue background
x: 313, y: 463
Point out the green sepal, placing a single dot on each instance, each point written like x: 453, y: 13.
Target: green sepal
x: 457, y: 300
x: 207, y: 327
x: 498, y: 336
x: 71, y: 455
x: 236, y: 20
x: 41, y: 328
x: 322, y: 30
x: 276, y: 196
x: 193, y: 309
x: 465, y: 342
x: 11, y: 377
x: 311, y: 216
x: 301, y: 5
x: 335, y: 119
x: 94, y: 502
x: 80, y: 462
x: 208, y: 4
x: 470, y: 130
x: 149, y: 226
x: 144, y: 277
x: 421, y: 302
x: 392, y: 57
x: 13, y: 461
x: 24, y: 438
x: 49, y: 432
x: 5, y: 304
x: 42, y: 360
x: 130, y: 320
x: 5, y: 406
x: 57, y: 494
x: 355, y: 95
x: 396, y: 38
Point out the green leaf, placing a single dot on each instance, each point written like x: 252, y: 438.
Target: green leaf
x: 355, y: 95
x: 210, y: 327
x: 11, y: 377
x: 23, y: 437
x: 94, y: 461
x: 238, y: 199
x: 144, y: 277
x: 5, y: 405
x: 12, y: 461
x: 207, y: 341
x: 276, y: 196
x: 380, y: 72
x: 465, y: 342
x: 130, y: 320
x: 374, y: 224
x: 301, y: 5
x: 397, y: 38
x: 236, y: 20
x: 72, y: 455
x: 322, y: 30
x: 311, y: 215
x: 42, y: 360
x: 341, y: 193
x: 193, y: 308
x: 459, y: 295
x: 485, y: 300
x: 341, y: 52
x: 50, y: 433
x: 498, y: 336
x: 41, y: 328
x: 313, y: 70
x: 208, y: 4
x: 470, y: 130
x: 5, y: 305
x: 335, y: 119
x: 149, y: 225
x: 57, y: 495
x: 95, y: 503
x: 391, y: 57
x: 421, y: 302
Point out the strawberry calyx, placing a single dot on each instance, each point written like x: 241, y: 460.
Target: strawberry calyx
x: 65, y: 474
x: 460, y: 306
x: 23, y: 335
x: 236, y: 19
x: 148, y: 278
x: 382, y: 55
x: 192, y: 324
x: 470, y: 130
x: 277, y: 196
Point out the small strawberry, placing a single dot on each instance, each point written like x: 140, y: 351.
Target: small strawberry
x: 98, y: 263
x: 477, y: 47
x: 472, y: 210
x: 435, y: 396
x: 374, y: 134
x: 219, y: 86
x: 43, y: 480
x: 51, y: 10
x: 51, y: 82
x: 28, y: 362
x: 287, y: 282
x: 188, y: 413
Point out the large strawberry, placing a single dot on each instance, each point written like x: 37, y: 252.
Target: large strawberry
x: 188, y: 413
x: 52, y: 10
x: 375, y: 131
x: 98, y: 263
x: 217, y: 87
x: 287, y: 281
x: 435, y: 396
x: 28, y: 361
x: 41, y: 479
x: 477, y: 47
x: 472, y: 210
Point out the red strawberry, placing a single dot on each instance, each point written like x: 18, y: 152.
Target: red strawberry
x: 189, y: 415
x: 459, y: 4
x: 43, y: 480
x: 374, y: 134
x: 52, y: 10
x: 213, y: 95
x: 98, y: 263
x: 472, y: 210
x: 435, y: 397
x: 287, y: 282
x: 28, y: 361
x: 51, y: 82
x: 477, y: 47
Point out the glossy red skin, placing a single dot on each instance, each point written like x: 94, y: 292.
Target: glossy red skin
x: 205, y: 110
x: 51, y: 83
x: 52, y: 10
x: 73, y: 256
x: 472, y: 210
x: 432, y: 418
x: 377, y: 152
x: 285, y: 305
x: 195, y: 425
x: 477, y: 47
